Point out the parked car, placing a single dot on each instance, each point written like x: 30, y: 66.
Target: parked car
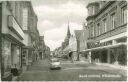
x: 55, y: 64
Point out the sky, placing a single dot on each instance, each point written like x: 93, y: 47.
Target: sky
x: 53, y: 17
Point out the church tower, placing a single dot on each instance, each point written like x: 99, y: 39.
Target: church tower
x: 68, y: 33
x: 66, y: 40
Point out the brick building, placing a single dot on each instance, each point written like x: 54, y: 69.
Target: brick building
x: 107, y: 25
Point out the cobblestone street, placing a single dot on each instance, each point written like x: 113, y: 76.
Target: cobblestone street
x: 70, y: 72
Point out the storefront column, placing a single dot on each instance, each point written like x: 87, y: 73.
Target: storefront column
x: 100, y: 57
x: 108, y: 56
x: 114, y: 42
x: 89, y: 56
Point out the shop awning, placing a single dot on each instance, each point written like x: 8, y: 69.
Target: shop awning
x: 13, y: 39
x: 105, y: 47
x: 28, y: 47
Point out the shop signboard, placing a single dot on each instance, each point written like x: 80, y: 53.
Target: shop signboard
x: 15, y: 27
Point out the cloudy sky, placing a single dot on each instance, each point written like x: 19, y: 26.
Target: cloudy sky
x: 53, y: 17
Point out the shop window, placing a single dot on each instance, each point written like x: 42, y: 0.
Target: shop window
x: 124, y: 15
x: 121, y: 40
x: 122, y: 59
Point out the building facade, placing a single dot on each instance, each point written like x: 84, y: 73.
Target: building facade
x: 42, y: 47
x: 107, y: 25
x: 12, y: 37
x: 20, y: 37
x: 73, y: 47
x: 78, y: 40
x: 47, y: 52
x: 31, y: 34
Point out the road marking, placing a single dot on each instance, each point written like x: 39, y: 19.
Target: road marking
x: 74, y: 68
x: 86, y: 68
x: 76, y: 63
x: 35, y: 71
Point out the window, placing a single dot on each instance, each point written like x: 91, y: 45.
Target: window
x: 113, y: 21
x: 25, y: 19
x: 104, y: 26
x: 9, y: 6
x: 92, y: 33
x: 98, y: 29
x: 124, y: 15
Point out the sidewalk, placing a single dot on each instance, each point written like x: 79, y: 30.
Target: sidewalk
x: 113, y: 66
x: 116, y: 69
x: 16, y: 78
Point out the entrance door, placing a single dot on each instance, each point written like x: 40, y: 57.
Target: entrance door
x: 40, y: 55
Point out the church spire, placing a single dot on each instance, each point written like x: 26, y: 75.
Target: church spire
x: 68, y: 31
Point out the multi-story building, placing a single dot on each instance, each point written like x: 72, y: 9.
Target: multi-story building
x: 12, y: 37
x: 83, y: 39
x: 47, y: 52
x: 73, y: 46
x: 42, y: 47
x: 107, y: 25
x: 31, y: 34
x: 78, y: 40
x: 20, y: 37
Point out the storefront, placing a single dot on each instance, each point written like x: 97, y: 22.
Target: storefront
x: 12, y: 43
x: 112, y: 54
x: 11, y: 55
x: 27, y: 53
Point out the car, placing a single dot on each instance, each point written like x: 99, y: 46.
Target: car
x: 55, y: 64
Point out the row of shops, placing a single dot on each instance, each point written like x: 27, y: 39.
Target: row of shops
x: 21, y: 42
x: 112, y: 54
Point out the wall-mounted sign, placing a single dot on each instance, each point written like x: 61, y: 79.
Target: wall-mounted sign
x: 14, y: 26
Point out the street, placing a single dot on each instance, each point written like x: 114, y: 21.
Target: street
x: 40, y: 71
